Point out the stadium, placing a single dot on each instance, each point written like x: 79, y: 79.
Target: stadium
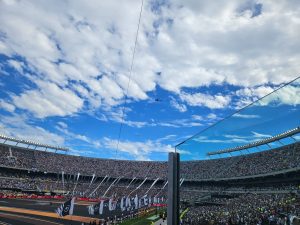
x: 38, y: 180
x: 149, y: 112
x: 260, y: 184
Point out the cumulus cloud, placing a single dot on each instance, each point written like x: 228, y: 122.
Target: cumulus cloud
x: 190, y: 44
x: 49, y: 100
x: 286, y: 95
x: 249, y: 95
x: 199, y: 99
x: 76, y: 45
x: 7, y: 106
x: 18, y: 126
x: 220, y: 42
x: 258, y: 92
x: 139, y: 150
x: 17, y: 65
x: 177, y: 105
x: 289, y: 95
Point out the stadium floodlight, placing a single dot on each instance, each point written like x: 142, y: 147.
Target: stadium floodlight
x: 277, y: 137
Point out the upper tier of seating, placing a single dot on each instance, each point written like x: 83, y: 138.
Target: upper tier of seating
x: 276, y: 160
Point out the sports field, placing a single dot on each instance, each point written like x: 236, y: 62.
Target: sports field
x: 36, y: 212
x: 42, y: 211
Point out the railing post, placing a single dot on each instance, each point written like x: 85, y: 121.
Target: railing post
x: 173, y: 188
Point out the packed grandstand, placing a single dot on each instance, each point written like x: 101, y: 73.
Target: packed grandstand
x: 257, y: 188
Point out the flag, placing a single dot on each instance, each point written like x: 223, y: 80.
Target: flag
x: 122, y: 204
x: 128, y: 202
x: 136, y: 202
x: 132, y: 204
x: 94, y: 209
x: 101, y: 207
x: 112, y: 204
x: 66, y: 208
x: 145, y: 201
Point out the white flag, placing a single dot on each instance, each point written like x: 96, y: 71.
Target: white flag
x: 110, y: 205
x: 101, y: 207
x: 122, y: 204
x: 128, y: 202
x: 136, y: 202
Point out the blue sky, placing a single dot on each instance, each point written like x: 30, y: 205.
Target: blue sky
x: 64, y: 70
x: 274, y: 114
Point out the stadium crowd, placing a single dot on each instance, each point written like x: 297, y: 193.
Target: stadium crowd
x: 29, y: 170
x: 287, y: 157
x: 264, y: 209
x: 276, y: 160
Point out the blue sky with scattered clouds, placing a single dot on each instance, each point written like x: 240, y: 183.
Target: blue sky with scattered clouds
x: 64, y: 68
x: 269, y: 116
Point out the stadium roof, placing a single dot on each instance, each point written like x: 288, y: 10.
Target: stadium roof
x: 31, y: 143
x: 286, y: 134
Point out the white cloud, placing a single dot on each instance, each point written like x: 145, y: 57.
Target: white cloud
x: 232, y: 138
x: 7, y: 106
x: 17, y: 65
x: 197, y: 117
x: 286, y: 95
x: 63, y: 128
x: 115, y: 115
x: 259, y: 135
x: 49, y: 100
x: 175, y: 79
x: 205, y: 43
x: 289, y: 95
x: 18, y: 127
x: 139, y: 150
x: 167, y: 138
x: 255, y: 136
x: 177, y: 105
x: 250, y: 94
x: 213, y: 102
x: 75, y: 45
x: 62, y: 124
x: 212, y: 116
x: 217, y: 44
x: 180, y: 123
x: 258, y: 92
x: 246, y: 116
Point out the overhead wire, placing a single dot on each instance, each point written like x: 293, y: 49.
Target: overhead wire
x: 129, y: 81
